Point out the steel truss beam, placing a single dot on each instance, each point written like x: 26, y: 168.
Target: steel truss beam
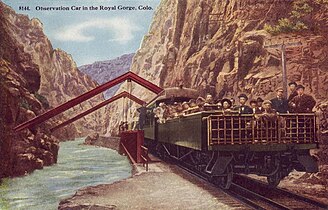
x: 104, y: 103
x: 75, y: 101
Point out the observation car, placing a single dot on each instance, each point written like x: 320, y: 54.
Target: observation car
x: 220, y: 144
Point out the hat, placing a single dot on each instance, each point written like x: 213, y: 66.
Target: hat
x: 299, y: 87
x: 253, y: 101
x: 192, y: 103
x: 267, y: 102
x: 259, y: 99
x: 226, y: 100
x: 185, y: 104
x: 243, y: 96
x: 292, y: 83
x: 280, y: 89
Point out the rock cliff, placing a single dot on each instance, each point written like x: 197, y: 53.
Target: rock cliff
x: 31, y: 149
x: 220, y: 47
x: 35, y: 77
x: 59, y: 77
x: 104, y: 71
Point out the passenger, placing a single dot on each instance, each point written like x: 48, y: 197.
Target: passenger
x: 200, y: 101
x: 209, y: 99
x: 179, y: 109
x: 266, y: 123
x: 233, y: 103
x: 243, y: 108
x: 209, y: 103
x: 166, y: 111
x: 279, y: 103
x: 161, y: 112
x: 259, y: 103
x: 227, y: 106
x: 192, y: 107
x: 219, y: 104
x: 142, y: 115
x: 185, y: 107
x: 293, y: 92
x: 192, y: 103
x: 256, y: 110
x: 268, y: 114
x: 171, y: 112
x: 174, y: 111
x: 302, y: 103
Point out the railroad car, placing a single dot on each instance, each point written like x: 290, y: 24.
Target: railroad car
x: 220, y: 144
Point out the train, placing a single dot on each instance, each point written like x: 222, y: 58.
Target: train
x: 220, y: 145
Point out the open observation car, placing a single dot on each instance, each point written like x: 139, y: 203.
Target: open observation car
x: 220, y: 144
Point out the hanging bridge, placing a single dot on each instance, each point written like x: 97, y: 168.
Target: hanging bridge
x: 129, y: 76
x: 131, y: 141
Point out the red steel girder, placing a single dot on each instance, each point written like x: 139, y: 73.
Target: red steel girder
x: 124, y: 94
x: 85, y: 96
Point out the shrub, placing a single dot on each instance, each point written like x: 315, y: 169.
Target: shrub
x: 298, y: 18
x: 24, y: 103
x: 43, y: 100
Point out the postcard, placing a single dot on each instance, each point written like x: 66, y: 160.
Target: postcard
x: 163, y: 104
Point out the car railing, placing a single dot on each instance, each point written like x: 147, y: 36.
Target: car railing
x: 251, y: 129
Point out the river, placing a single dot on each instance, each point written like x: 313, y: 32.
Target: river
x: 78, y: 166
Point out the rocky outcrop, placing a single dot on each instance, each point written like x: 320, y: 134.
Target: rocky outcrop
x: 102, y: 141
x: 58, y: 75
x: 22, y: 152
x: 104, y: 71
x: 91, y: 138
x: 220, y: 47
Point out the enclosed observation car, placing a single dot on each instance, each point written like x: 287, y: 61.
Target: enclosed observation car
x: 220, y: 144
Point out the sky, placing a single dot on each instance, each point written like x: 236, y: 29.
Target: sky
x: 92, y: 35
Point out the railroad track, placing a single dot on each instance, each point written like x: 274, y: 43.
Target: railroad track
x: 286, y: 199
x: 259, y: 195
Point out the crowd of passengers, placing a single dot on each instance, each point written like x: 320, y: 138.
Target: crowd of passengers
x: 297, y: 102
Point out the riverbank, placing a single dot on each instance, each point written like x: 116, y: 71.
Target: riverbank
x: 157, y: 188
x: 102, y: 141
x: 78, y: 166
x: 165, y: 186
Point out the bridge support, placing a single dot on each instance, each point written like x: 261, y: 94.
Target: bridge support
x: 131, y: 143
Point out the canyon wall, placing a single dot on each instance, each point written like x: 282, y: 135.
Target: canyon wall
x: 34, y: 77
x: 60, y: 79
x: 104, y: 71
x: 219, y: 47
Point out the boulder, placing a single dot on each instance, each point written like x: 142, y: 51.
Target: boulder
x: 26, y: 163
x: 91, y: 138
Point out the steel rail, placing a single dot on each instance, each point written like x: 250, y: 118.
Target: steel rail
x: 241, y: 190
x: 237, y: 196
x: 299, y: 198
x: 243, y: 194
x: 205, y: 177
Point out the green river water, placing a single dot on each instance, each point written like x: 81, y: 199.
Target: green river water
x: 78, y: 166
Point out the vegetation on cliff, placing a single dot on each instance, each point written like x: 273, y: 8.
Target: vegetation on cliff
x: 299, y: 19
